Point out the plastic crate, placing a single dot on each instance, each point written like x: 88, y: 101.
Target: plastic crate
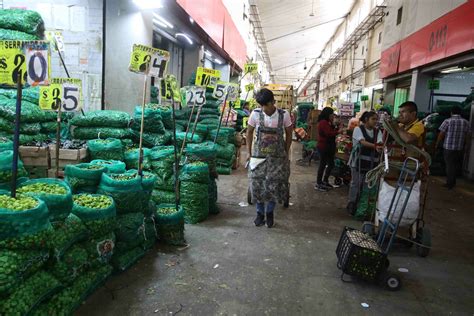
x: 359, y: 255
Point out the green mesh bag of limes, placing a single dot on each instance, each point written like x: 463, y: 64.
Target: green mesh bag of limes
x: 30, y: 294
x: 72, y: 264
x: 65, y: 234
x: 170, y: 224
x: 125, y: 260
x: 97, y: 212
x: 132, y: 156
x: 102, y: 118
x: 54, y: 192
x: 105, y: 149
x: 162, y: 163
x: 83, y: 177
x: 152, y: 121
x: 69, y: 299
x: 195, y: 172
x: 6, y: 160
x: 112, y: 166
x: 213, y: 208
x: 160, y: 196
x: 195, y: 201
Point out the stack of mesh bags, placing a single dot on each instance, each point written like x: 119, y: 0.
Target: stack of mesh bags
x: 162, y: 165
x: 170, y: 224
x: 67, y: 258
x: 194, y: 191
x: 84, y: 177
x: 25, y: 231
x: 25, y: 25
x: 6, y: 173
x: 135, y: 231
x: 111, y: 166
x: 225, y: 142
x: 101, y: 124
x: 155, y: 118
x: 36, y: 125
x: 132, y: 156
x: 206, y: 152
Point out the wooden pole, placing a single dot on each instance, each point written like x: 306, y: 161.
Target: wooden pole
x: 140, y: 146
x: 16, y: 135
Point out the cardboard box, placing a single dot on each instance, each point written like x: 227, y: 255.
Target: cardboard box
x: 52, y: 173
x: 35, y: 156
x: 313, y: 132
x: 313, y: 116
x: 68, y: 156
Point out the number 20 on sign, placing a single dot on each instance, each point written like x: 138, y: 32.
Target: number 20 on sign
x: 65, y: 92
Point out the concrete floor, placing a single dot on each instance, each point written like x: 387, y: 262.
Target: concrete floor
x: 232, y: 267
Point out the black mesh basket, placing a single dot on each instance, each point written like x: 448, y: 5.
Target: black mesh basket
x: 359, y: 255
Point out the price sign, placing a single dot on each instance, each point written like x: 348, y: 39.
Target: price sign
x: 64, y: 92
x: 207, y: 77
x: 12, y: 61
x: 193, y: 95
x: 148, y: 60
x: 165, y: 88
x: 249, y: 87
x: 364, y: 98
x: 221, y: 88
x: 52, y: 36
x: 38, y: 62
x: 251, y: 68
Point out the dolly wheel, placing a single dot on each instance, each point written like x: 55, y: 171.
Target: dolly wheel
x: 424, y: 238
x: 391, y: 281
x: 249, y: 197
x: 338, y: 181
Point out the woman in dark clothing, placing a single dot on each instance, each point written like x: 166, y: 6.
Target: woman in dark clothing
x: 326, y: 147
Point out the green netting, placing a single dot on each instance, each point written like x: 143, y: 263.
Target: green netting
x: 212, y: 194
x: 179, y: 128
x: 130, y: 232
x: 151, y: 234
x: 100, y: 249
x: 93, y: 207
x: 132, y: 157
x: 147, y: 180
x: 170, y: 224
x: 195, y: 201
x: 166, y: 113
x: 222, y: 137
x: 127, y: 143
x: 367, y: 203
x: 65, y: 234
x: 48, y: 127
x: 160, y: 196
x: 112, y: 166
x: 12, y: 35
x: 162, y: 163
x: 225, y: 162
x: 125, y: 260
x: 22, y: 20
x: 153, y: 139
x: 225, y: 152
x: 69, y: 299
x: 30, y: 294
x: 152, y: 119
x: 183, y: 122
x: 127, y: 191
x: 72, y: 264
x: 15, y: 224
x: 16, y: 266
x: 195, y: 172
x: 224, y: 170
x: 211, y: 123
x: 25, y: 128
x: 189, y: 138
x: 202, y: 130
x: 54, y: 192
x: 33, y: 139
x: 230, y: 131
x: 30, y: 94
x: 106, y: 149
x: 83, y: 177
x: 30, y: 112
x: 181, y: 114
x: 5, y: 144
x: 101, y: 132
x: 103, y: 118
x: 6, y: 160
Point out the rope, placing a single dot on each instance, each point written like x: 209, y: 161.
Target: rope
x: 373, y: 176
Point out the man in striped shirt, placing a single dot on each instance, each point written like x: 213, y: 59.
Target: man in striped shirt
x: 453, y: 135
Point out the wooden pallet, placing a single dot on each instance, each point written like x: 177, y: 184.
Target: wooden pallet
x: 33, y: 156
x: 68, y: 156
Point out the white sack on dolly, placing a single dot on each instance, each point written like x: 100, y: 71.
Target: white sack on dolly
x: 386, y: 193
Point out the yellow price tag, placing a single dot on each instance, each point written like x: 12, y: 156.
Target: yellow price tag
x: 245, y: 121
x: 207, y: 77
x: 237, y: 104
x: 12, y: 61
x: 251, y: 68
x: 64, y: 92
x: 50, y: 97
x: 249, y: 87
x: 149, y: 60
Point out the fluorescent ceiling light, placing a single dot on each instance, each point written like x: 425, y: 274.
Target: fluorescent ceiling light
x: 155, y: 21
x: 450, y: 69
x: 148, y: 4
x: 191, y: 20
x: 218, y: 61
x: 207, y: 53
x: 186, y: 36
x: 162, y: 20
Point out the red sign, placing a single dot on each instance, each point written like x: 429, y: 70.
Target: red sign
x: 389, y: 61
x: 451, y: 34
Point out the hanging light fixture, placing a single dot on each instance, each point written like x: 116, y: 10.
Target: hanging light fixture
x: 312, y: 9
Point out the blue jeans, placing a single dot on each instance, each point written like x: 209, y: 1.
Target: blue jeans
x: 261, y: 207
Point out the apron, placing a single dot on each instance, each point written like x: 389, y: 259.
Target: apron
x: 269, y: 168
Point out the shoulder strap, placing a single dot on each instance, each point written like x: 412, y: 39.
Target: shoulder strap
x: 281, y: 113
x: 261, y: 119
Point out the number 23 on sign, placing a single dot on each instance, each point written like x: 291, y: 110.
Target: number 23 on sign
x: 65, y: 92
x: 193, y: 95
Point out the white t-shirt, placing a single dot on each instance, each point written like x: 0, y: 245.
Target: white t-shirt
x: 357, y: 135
x: 269, y: 121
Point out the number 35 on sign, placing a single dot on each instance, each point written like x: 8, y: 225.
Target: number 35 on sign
x: 62, y: 91
x: 148, y: 60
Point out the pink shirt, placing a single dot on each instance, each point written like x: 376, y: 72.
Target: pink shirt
x: 269, y: 121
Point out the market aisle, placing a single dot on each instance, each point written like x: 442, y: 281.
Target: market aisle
x: 232, y: 267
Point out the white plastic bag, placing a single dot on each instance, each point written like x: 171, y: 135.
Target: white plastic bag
x: 386, y: 193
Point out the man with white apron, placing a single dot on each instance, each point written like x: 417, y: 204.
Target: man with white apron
x: 268, y: 162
